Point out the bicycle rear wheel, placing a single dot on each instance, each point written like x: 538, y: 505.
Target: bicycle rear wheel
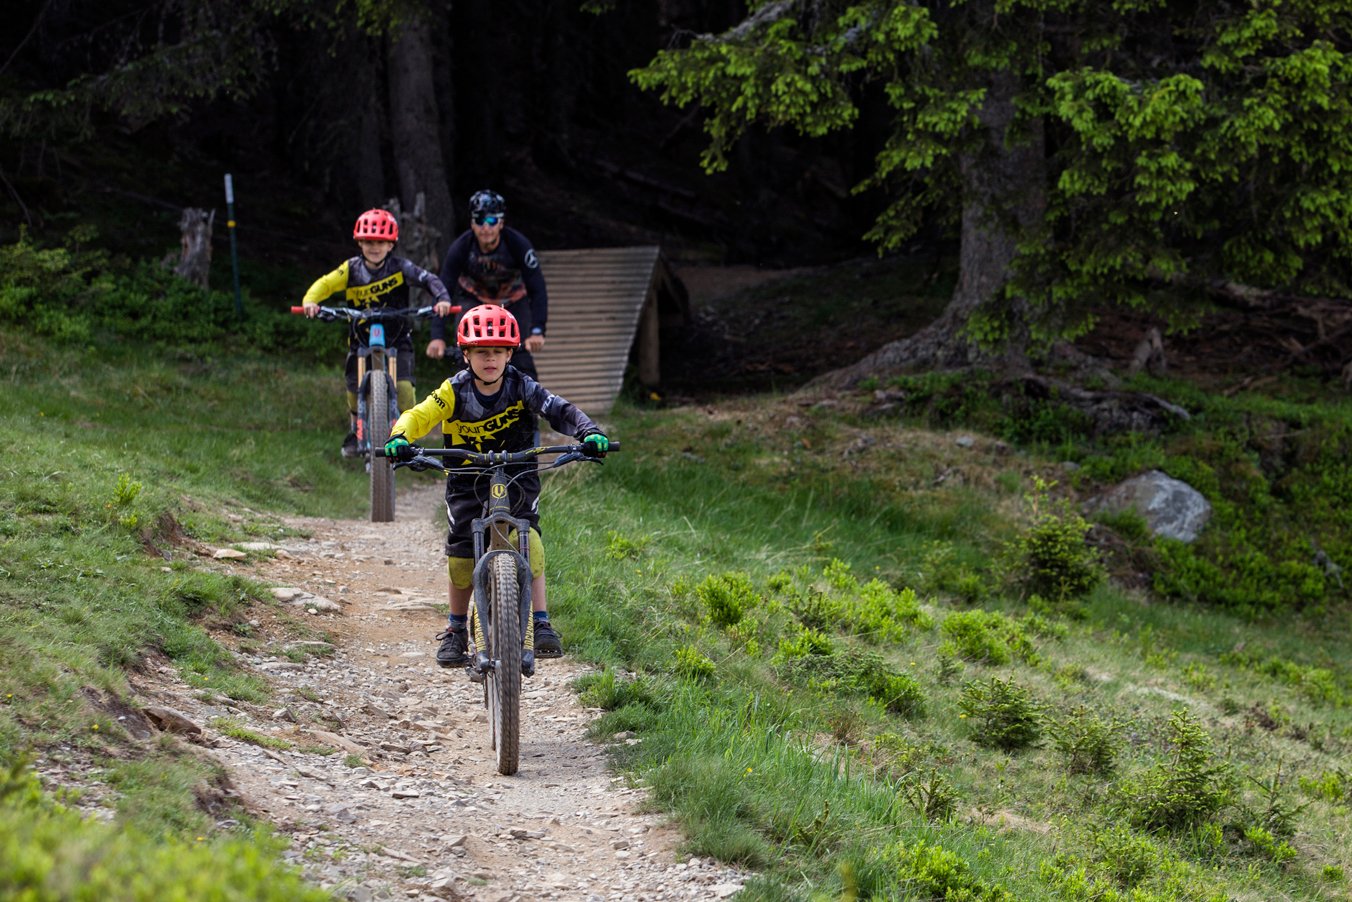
x: 504, y: 680
x: 382, y: 474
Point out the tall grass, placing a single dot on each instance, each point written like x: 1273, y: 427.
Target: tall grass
x: 791, y: 770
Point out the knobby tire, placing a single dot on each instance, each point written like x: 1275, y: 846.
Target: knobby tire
x: 504, y: 681
x: 382, y: 474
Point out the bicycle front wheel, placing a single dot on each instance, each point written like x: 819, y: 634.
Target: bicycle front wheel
x: 382, y: 474
x: 504, y: 680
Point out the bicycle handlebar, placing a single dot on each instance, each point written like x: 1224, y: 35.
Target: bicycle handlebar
x: 424, y: 458
x: 329, y: 314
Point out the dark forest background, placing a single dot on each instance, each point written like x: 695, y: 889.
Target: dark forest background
x: 306, y: 110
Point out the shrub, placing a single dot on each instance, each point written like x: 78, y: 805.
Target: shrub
x: 1331, y: 786
x: 1187, y: 789
x: 1088, y: 743
x: 693, y: 664
x: 52, y: 852
x: 803, y: 643
x: 932, y: 795
x: 984, y: 636
x: 1051, y: 556
x: 1127, y: 856
x: 1003, y: 715
x: 727, y: 597
x: 925, y: 871
x: 620, y: 547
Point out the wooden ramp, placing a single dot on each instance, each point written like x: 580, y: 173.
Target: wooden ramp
x: 607, y: 306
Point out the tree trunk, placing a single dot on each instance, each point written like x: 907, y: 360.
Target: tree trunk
x: 419, y: 240
x: 553, y: 145
x: 367, y: 166
x: 414, y: 122
x: 194, y: 262
x: 1004, y: 192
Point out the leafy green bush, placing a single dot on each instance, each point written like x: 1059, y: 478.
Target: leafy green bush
x: 1087, y: 742
x: 693, y: 664
x: 1186, y: 789
x: 51, y: 852
x: 1001, y: 714
x: 803, y: 643
x: 925, y: 871
x: 78, y: 295
x: 1319, y: 684
x: 1127, y: 856
x: 727, y: 597
x: 932, y: 795
x: 1051, y: 557
x: 1331, y: 786
x: 874, y: 609
x: 988, y: 637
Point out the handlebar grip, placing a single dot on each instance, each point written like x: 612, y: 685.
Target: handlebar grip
x: 614, y: 446
x: 297, y: 309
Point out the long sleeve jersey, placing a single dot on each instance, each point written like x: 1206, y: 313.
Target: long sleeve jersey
x: 390, y: 287
x: 505, y: 421
x: 510, y: 272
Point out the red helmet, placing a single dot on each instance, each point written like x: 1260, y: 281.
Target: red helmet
x: 376, y: 225
x: 488, y: 326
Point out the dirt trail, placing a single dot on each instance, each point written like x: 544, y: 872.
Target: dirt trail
x: 426, y: 816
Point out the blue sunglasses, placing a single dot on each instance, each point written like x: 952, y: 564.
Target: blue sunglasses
x: 488, y: 219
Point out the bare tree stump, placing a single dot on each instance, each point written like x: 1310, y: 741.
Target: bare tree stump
x: 1149, y: 355
x: 419, y: 240
x: 194, y: 262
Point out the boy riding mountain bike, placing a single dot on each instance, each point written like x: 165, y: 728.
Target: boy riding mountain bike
x: 491, y: 406
x: 376, y: 279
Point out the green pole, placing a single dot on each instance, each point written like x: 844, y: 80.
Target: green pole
x: 234, y: 253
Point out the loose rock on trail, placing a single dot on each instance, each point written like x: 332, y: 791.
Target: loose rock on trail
x: 377, y: 764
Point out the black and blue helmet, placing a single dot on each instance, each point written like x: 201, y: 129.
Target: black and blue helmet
x: 487, y: 202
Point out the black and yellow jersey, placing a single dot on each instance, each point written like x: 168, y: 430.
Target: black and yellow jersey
x: 353, y: 284
x: 505, y: 421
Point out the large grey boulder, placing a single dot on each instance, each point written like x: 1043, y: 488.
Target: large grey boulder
x: 1171, y: 507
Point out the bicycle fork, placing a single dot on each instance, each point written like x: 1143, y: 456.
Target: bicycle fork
x: 386, y: 363
x: 481, y: 662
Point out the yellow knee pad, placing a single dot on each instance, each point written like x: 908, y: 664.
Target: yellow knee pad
x: 404, y: 391
x: 461, y: 569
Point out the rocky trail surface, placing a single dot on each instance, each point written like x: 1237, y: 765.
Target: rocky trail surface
x: 376, y: 763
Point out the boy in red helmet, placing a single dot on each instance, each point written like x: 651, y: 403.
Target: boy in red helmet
x: 376, y: 279
x: 491, y: 406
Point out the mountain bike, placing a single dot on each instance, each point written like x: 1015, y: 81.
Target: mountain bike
x: 501, y: 628
x: 377, y: 398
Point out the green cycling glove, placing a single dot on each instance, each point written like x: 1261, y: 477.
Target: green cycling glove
x: 399, y: 448
x: 596, y: 445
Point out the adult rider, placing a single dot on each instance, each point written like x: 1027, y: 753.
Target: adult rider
x: 494, y: 264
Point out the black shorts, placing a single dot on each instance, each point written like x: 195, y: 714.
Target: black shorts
x: 465, y: 497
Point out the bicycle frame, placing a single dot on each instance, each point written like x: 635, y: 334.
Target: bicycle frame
x: 380, y: 360
x: 492, y: 538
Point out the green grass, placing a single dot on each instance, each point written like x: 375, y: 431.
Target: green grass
x: 786, y: 768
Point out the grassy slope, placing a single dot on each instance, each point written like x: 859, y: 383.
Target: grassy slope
x: 807, y: 777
